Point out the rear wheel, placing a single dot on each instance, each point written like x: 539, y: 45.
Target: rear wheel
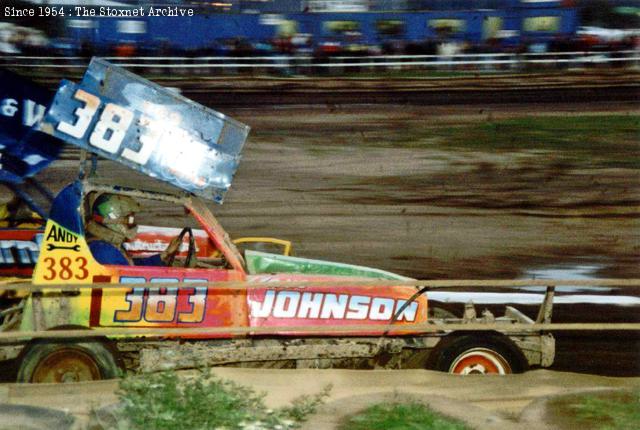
x: 67, y: 362
x: 467, y: 355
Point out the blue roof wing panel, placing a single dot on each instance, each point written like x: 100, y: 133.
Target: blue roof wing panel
x: 149, y: 128
x: 24, y: 151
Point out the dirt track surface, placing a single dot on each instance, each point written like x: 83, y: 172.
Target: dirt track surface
x: 568, y: 86
x: 368, y: 186
x: 365, y: 187
x: 447, y: 87
x: 482, y: 402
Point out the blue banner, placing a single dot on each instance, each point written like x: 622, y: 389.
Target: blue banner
x: 24, y: 151
x: 125, y: 118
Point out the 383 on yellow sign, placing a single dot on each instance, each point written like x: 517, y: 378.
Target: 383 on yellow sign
x: 65, y: 268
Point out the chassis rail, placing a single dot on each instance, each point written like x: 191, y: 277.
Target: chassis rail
x: 542, y: 323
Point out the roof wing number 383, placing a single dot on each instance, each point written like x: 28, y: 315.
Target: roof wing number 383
x: 149, y: 128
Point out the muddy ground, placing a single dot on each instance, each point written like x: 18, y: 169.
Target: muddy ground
x: 515, y: 402
x: 369, y: 186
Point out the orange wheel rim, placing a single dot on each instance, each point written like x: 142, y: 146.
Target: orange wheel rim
x: 66, y: 365
x: 480, y: 361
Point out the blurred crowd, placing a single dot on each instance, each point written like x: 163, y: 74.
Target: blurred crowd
x: 302, y: 45
x: 17, y: 40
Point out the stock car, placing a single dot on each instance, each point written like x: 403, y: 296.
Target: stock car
x: 247, y: 308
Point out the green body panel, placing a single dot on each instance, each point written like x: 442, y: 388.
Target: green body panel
x: 262, y: 262
x: 27, y: 323
x: 57, y: 310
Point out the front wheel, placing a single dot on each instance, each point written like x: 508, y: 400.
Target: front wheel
x: 67, y: 361
x: 468, y: 355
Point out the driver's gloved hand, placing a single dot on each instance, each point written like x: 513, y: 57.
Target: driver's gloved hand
x: 171, y: 249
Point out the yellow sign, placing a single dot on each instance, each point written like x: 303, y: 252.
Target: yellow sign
x: 65, y: 258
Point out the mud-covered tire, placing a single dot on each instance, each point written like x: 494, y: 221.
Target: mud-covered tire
x: 471, y: 354
x: 67, y: 361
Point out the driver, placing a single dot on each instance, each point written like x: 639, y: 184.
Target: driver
x: 112, y: 223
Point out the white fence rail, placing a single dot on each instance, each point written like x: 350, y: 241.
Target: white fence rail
x: 349, y: 63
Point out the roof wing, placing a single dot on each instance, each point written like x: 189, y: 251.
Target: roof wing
x: 153, y: 130
x: 24, y: 151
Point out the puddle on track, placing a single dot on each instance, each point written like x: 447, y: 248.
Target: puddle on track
x: 533, y: 295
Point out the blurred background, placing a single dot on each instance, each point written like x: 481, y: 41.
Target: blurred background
x: 303, y: 36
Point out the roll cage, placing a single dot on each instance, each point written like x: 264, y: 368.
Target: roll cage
x: 192, y: 204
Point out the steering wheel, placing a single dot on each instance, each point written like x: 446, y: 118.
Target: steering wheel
x: 190, y: 261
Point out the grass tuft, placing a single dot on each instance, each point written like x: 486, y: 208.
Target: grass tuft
x: 166, y: 401
x: 599, y: 411
x: 399, y: 416
x: 620, y: 411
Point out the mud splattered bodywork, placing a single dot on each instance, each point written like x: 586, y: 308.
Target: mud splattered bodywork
x: 66, y: 258
x: 122, y: 117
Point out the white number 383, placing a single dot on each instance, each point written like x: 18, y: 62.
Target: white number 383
x: 110, y: 129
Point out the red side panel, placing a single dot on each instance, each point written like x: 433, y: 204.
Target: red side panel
x: 19, y: 249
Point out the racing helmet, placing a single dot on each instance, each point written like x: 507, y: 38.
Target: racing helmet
x: 116, y: 213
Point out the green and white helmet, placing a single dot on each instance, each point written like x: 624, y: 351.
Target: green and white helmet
x: 116, y: 213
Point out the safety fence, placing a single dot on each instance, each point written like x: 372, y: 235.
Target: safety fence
x: 310, y: 65
x: 542, y: 323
